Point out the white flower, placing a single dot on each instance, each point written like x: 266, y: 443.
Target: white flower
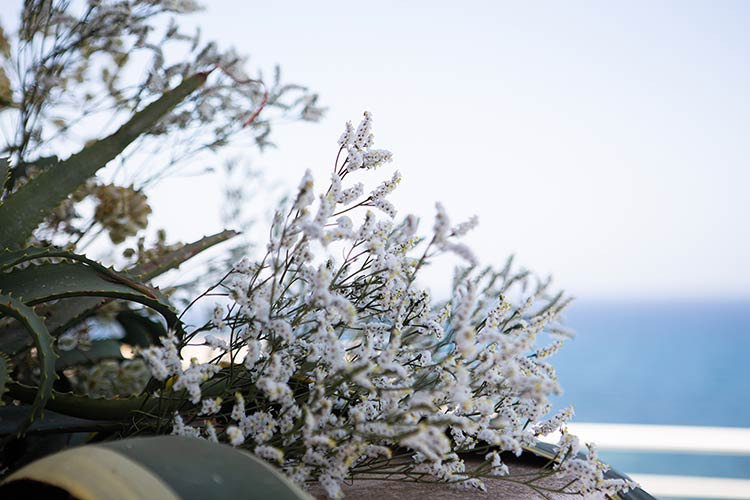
x: 498, y: 467
x: 210, y: 406
x: 243, y: 266
x: 210, y: 432
x: 235, y: 435
x: 215, y: 343
x: 362, y: 137
x: 254, y: 351
x: 238, y: 410
x: 180, y: 429
x: 218, y: 317
x: 269, y: 453
x: 347, y: 136
x: 346, y: 356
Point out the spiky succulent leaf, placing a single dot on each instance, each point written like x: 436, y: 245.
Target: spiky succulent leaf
x: 51, y: 281
x: 10, y: 306
x: 27, y: 207
x: 4, y: 375
x: 139, y: 330
x: 85, y: 406
x: 175, y: 258
x: 67, y: 314
x: 53, y: 422
x: 162, y: 467
x: 98, y: 351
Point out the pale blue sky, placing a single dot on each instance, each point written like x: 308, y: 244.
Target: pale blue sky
x: 604, y: 143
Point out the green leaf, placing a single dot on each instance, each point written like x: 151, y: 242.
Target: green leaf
x: 11, y: 306
x: 175, y: 258
x: 157, y: 467
x: 26, y: 208
x: 21, y: 170
x: 101, y: 408
x: 45, y: 282
x: 122, y: 408
x: 66, y: 314
x: 59, y: 317
x: 240, y: 474
x: 139, y: 330
x: 4, y: 375
x: 99, y: 351
x: 96, y: 275
x: 10, y: 258
x: 53, y: 422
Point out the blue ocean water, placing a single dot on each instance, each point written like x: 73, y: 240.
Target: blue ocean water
x: 668, y: 363
x: 677, y: 363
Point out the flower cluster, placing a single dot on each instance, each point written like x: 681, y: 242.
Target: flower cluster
x: 335, y: 367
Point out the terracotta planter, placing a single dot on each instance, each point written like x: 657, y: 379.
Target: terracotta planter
x: 531, y: 462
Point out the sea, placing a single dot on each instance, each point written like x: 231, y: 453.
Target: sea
x: 676, y: 363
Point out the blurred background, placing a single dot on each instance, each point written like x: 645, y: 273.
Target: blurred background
x: 604, y: 143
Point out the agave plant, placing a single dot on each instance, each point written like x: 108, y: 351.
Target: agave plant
x: 47, y: 290
x: 66, y: 63
x: 159, y: 467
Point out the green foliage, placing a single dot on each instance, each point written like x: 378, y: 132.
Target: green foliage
x: 50, y: 291
x: 4, y: 374
x: 52, y: 422
x: 46, y: 356
x: 46, y: 282
x: 26, y: 208
x: 179, y: 465
x: 171, y: 260
x: 38, y: 275
x: 98, y: 351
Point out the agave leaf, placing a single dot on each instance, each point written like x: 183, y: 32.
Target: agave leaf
x: 10, y: 258
x: 99, y: 351
x: 53, y: 422
x: 120, y: 408
x: 240, y: 474
x: 64, y: 315
x: 139, y: 330
x: 4, y: 375
x: 163, y: 467
x: 59, y: 317
x: 45, y: 282
x: 173, y: 259
x: 21, y: 170
x: 99, y: 408
x: 13, y: 307
x: 26, y: 208
x: 85, y: 406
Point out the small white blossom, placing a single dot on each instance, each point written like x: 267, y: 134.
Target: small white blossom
x: 215, y: 343
x: 235, y: 435
x: 269, y: 453
x: 210, y: 406
x: 345, y: 356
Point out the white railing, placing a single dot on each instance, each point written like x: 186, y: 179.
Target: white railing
x: 673, y: 439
